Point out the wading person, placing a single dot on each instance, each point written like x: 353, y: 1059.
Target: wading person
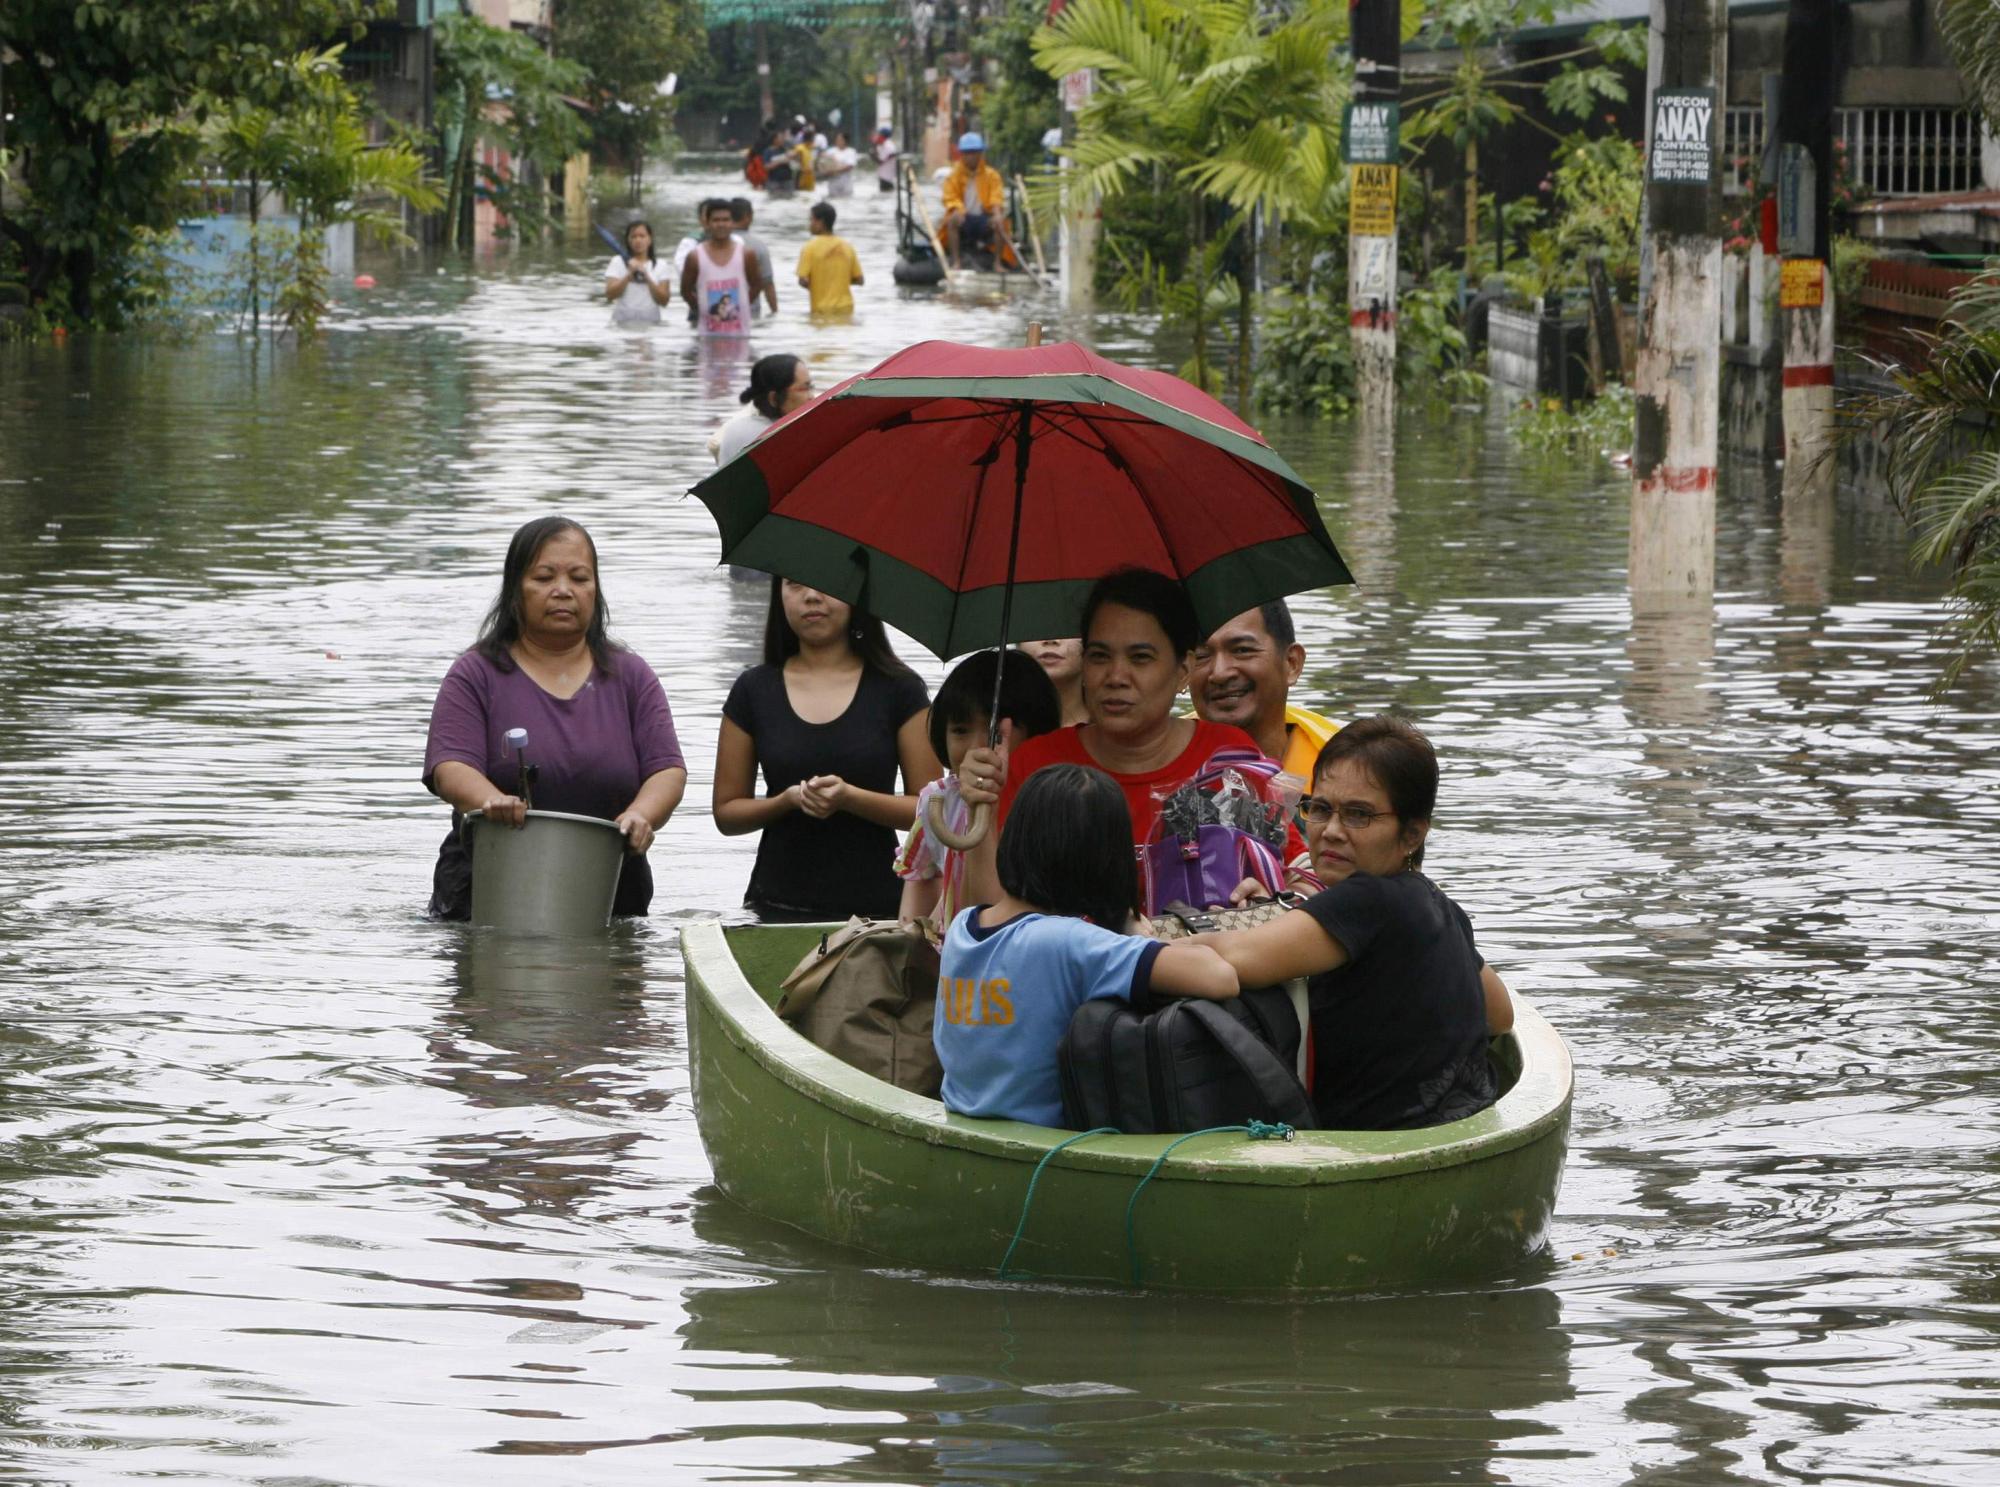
x: 885, y: 158
x: 1402, y: 1003
x: 836, y: 166
x: 778, y: 384
x: 600, y: 733
x: 720, y: 278
x: 1243, y: 675
x: 830, y: 718
x: 975, y: 201
x: 743, y: 215
x: 827, y: 266
x: 635, y: 284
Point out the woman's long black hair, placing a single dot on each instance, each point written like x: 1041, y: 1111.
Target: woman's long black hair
x: 502, y: 625
x: 864, y: 633
x: 770, y: 379
x: 1067, y: 846
x: 652, y: 239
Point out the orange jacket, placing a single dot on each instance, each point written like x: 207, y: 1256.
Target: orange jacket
x: 992, y: 190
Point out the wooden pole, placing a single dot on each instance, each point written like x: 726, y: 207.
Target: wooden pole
x: 1805, y: 223
x: 1677, y: 375
x: 1034, y: 232
x: 930, y: 231
x: 1372, y: 146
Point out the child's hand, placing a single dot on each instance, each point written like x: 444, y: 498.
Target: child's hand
x: 982, y: 773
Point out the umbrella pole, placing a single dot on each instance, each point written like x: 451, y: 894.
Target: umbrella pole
x: 982, y: 816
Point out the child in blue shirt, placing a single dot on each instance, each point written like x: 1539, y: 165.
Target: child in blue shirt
x: 1014, y: 972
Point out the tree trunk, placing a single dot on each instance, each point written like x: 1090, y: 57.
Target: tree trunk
x: 1243, y: 329
x: 256, y: 192
x: 1471, y: 206
x: 1200, y: 294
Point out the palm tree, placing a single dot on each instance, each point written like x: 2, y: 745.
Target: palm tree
x: 1941, y: 422
x: 1222, y: 96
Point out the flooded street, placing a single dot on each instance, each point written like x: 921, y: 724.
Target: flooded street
x: 297, y: 1187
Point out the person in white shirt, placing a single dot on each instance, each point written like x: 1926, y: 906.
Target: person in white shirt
x: 635, y: 283
x: 836, y: 166
x: 778, y: 384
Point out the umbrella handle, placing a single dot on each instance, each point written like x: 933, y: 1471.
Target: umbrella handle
x: 975, y: 829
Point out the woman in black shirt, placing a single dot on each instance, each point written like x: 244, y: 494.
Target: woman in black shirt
x: 1402, y: 1004
x: 830, y: 717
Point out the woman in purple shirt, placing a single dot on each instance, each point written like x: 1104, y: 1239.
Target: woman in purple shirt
x: 599, y: 729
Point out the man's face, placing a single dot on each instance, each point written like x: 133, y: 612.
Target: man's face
x: 720, y: 224
x: 1240, y: 676
x: 973, y: 160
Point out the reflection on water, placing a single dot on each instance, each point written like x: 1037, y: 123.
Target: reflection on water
x: 296, y: 1186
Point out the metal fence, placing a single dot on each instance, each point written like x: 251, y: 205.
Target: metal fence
x: 1891, y: 151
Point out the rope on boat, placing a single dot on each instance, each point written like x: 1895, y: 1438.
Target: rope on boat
x: 1256, y: 1130
x: 1029, y: 1202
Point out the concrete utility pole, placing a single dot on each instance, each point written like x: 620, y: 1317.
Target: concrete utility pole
x: 1805, y: 221
x: 1678, y: 373
x: 1078, y: 221
x: 1370, y: 143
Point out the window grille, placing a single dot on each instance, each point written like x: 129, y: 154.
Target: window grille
x: 1891, y: 151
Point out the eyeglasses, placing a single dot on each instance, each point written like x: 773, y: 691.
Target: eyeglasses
x: 1354, y: 817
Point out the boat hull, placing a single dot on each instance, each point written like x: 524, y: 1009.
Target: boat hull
x: 798, y: 1136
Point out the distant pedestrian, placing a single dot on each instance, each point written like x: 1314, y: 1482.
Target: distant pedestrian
x: 836, y: 166
x: 827, y: 265
x: 885, y: 158
x: 635, y: 283
x: 720, y: 278
x: 743, y: 214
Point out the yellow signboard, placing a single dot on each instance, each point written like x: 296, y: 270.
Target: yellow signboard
x: 1371, y: 200
x: 1801, y: 284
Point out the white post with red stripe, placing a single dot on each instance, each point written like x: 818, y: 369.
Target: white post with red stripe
x: 1808, y: 390
x: 1371, y: 144
x: 1677, y: 375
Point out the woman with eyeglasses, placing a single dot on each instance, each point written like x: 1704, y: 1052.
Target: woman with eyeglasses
x: 1402, y: 1003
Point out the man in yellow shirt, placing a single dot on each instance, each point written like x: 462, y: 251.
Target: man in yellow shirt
x: 975, y: 205
x: 827, y: 266
x: 1243, y: 674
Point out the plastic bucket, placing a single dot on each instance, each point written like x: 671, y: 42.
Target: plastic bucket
x: 556, y: 875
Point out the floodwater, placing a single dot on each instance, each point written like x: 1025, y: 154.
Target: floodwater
x: 297, y: 1188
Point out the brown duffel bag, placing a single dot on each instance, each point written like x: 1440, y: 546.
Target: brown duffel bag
x: 866, y: 994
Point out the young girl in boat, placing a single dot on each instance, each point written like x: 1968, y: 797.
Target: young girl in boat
x: 1015, y: 970
x: 933, y: 874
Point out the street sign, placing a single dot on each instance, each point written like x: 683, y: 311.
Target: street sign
x: 1373, y: 272
x: 1798, y: 199
x: 1801, y: 284
x: 1370, y: 133
x: 1371, y: 200
x: 1682, y: 146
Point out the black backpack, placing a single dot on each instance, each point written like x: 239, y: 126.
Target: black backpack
x: 1183, y: 1064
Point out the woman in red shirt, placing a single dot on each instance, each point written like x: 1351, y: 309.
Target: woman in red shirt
x: 1139, y: 634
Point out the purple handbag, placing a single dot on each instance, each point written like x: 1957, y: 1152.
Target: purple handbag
x: 1204, y: 871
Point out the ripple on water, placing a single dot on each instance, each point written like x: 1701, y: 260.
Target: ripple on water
x: 300, y: 1187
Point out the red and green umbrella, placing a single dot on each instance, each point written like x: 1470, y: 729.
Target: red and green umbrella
x: 970, y: 496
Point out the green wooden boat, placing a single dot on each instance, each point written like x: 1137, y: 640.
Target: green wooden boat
x: 796, y: 1135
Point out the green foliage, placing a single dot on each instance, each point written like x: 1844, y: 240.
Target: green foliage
x: 1851, y: 257
x: 1596, y: 188
x: 1941, y: 425
x: 108, y: 101
x: 314, y: 148
x: 1307, y: 355
x: 1484, y: 95
x: 1022, y: 104
x: 1233, y: 105
x: 1602, y: 425
x: 1431, y: 353
x: 627, y: 48
x: 476, y: 65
